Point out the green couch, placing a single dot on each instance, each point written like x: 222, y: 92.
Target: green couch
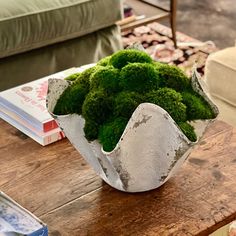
x: 38, y: 38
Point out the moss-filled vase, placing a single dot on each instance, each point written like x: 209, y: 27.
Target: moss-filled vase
x: 151, y: 149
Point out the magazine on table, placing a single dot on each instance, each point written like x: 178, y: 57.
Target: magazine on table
x: 17, y: 221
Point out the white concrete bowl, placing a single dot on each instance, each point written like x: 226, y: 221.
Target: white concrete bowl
x: 151, y: 149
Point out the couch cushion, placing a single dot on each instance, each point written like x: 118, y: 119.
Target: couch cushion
x: 220, y: 77
x: 53, y: 58
x: 30, y: 24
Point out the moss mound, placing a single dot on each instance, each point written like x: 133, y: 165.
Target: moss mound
x: 84, y: 78
x: 91, y: 130
x: 72, y: 77
x: 139, y: 77
x: 124, y: 57
x: 171, y: 101
x: 97, y: 106
x: 197, y: 107
x: 125, y: 104
x: 188, y: 130
x: 110, y: 133
x: 106, y: 78
x: 104, y: 61
x: 172, y: 77
x: 107, y: 95
x: 71, y: 100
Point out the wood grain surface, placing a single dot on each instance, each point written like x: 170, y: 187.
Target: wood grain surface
x: 42, y: 178
x: 57, y: 185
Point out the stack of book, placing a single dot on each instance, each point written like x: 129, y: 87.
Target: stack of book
x: 24, y: 107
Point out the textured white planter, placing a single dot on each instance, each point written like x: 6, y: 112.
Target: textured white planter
x: 151, y: 149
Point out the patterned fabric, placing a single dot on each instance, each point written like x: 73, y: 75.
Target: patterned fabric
x: 14, y: 219
x: 156, y: 39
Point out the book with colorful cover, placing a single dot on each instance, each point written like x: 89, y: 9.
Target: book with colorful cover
x: 28, y: 101
x: 43, y: 138
x: 24, y: 107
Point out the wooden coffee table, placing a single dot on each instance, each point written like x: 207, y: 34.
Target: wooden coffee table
x: 56, y: 184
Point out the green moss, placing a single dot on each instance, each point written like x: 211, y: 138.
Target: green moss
x: 104, y: 61
x: 124, y: 57
x: 139, y: 77
x: 91, y: 130
x: 97, y: 106
x: 158, y: 64
x: 107, y: 95
x: 169, y: 100
x: 172, y: 77
x: 106, y: 78
x: 188, y: 130
x: 84, y: 77
x: 125, y: 104
x: 110, y: 133
x: 72, y: 77
x: 197, y: 107
x: 71, y: 100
